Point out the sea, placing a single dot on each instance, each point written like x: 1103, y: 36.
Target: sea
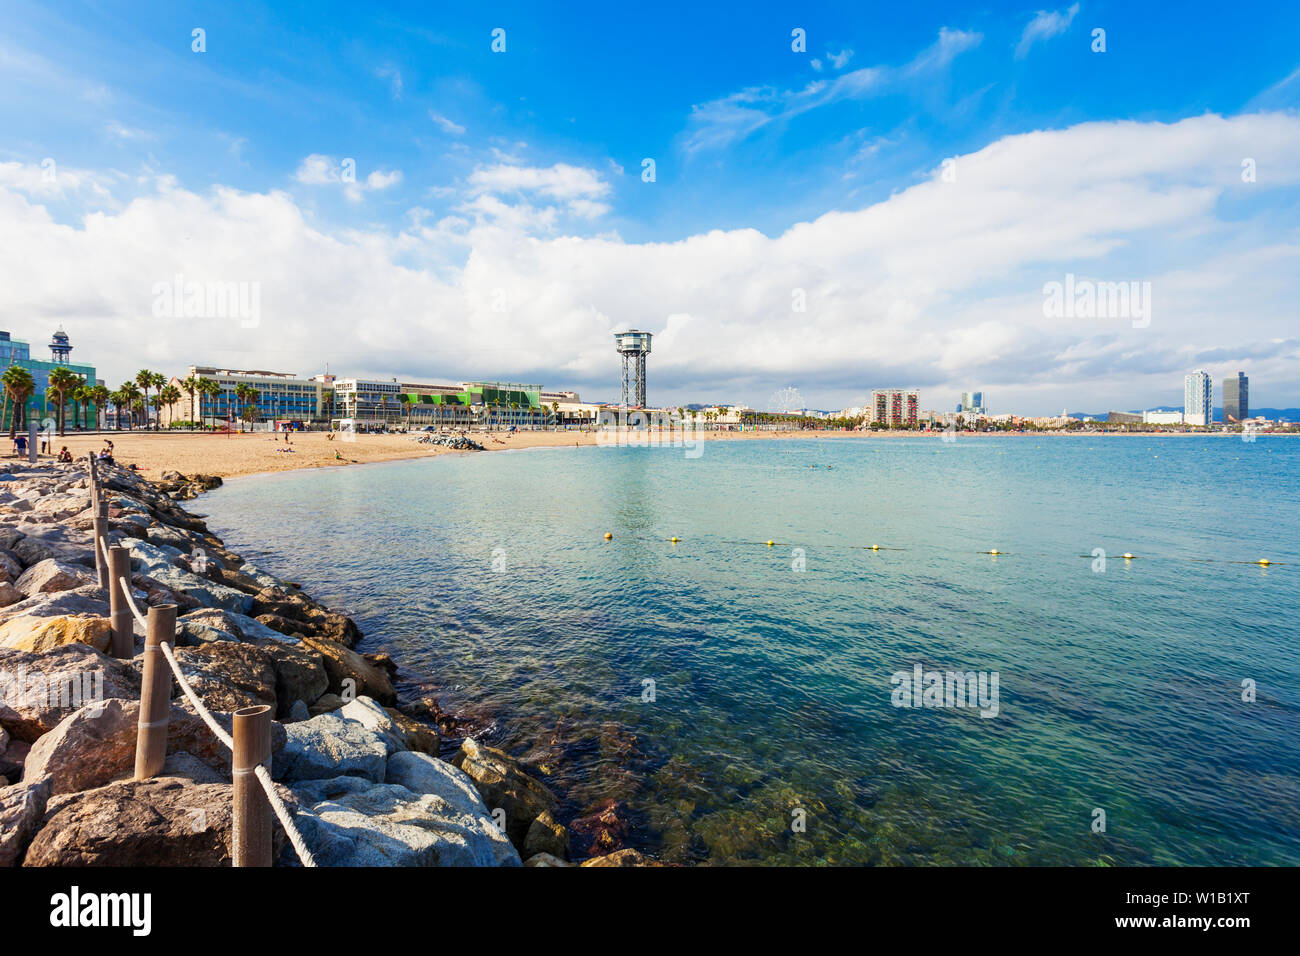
x: 830, y: 665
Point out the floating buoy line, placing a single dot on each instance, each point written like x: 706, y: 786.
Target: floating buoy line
x: 1127, y: 556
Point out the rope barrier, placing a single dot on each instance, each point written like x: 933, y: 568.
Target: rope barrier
x: 263, y: 777
x: 130, y: 602
x: 286, y: 818
x: 203, y: 711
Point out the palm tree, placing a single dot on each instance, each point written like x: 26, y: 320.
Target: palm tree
x: 99, y: 397
x: 169, y: 396
x: 128, y: 395
x: 158, y: 381
x: 191, y: 385
x: 211, y: 388
x: 406, y: 400
x: 18, y: 387
x: 144, y: 379
x: 241, y: 393
x: 62, y: 380
x: 83, y: 394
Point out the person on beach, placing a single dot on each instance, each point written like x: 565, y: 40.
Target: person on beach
x: 20, y: 445
x: 65, y: 456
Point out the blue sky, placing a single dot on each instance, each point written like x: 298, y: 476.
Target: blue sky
x: 517, y: 175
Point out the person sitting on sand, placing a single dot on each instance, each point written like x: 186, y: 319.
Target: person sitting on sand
x: 20, y: 445
x: 65, y: 456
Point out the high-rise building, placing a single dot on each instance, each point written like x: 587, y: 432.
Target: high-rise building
x: 1236, y: 398
x: 895, y: 406
x: 1198, y: 398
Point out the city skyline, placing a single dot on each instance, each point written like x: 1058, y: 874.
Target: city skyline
x: 881, y: 206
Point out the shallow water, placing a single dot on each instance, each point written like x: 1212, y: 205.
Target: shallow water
x: 487, y: 577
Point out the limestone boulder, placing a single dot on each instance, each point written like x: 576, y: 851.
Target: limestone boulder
x: 53, y: 574
x: 300, y: 676
x: 351, y: 823
x: 228, y: 676
x: 329, y: 746
x: 41, y: 634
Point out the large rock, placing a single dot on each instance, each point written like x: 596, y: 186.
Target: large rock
x: 83, y: 600
x: 421, y: 773
x: 344, y: 665
x: 228, y: 676
x: 374, y: 717
x: 38, y: 690
x: 40, y: 634
x: 504, y: 782
x: 51, y: 575
x: 350, y: 823
x: 9, y: 594
x: 299, y: 674
x: 206, y: 592
x: 21, y: 811
x: 622, y: 858
x: 166, y: 821
x: 545, y: 835
x: 328, y: 746
x: 48, y: 541
x: 96, y: 744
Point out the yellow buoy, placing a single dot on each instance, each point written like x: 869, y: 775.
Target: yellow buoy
x: 1264, y: 561
x: 995, y: 551
x: 875, y: 547
x: 608, y: 536
x: 770, y: 543
x: 674, y: 539
x: 1128, y: 556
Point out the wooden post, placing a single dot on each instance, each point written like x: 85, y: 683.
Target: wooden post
x: 251, y: 842
x: 155, y: 693
x: 99, y: 525
x: 119, y: 612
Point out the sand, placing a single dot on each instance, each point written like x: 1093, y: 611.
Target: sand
x: 229, y: 456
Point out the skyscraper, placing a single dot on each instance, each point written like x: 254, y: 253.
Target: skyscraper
x: 1236, y: 398
x: 1198, y: 398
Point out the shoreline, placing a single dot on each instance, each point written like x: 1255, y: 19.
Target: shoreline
x: 352, y: 758
x: 259, y: 454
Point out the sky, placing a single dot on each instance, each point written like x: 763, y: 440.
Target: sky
x: 825, y: 198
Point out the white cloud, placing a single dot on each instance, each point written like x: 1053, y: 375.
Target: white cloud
x: 321, y: 170
x: 721, y: 122
x: 940, y: 285
x: 1045, y: 25
x: 394, y: 77
x: 447, y: 126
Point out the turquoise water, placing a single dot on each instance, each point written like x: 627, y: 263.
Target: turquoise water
x: 1119, y: 690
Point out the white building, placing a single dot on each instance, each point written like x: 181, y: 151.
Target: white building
x: 1198, y: 398
x: 1162, y: 418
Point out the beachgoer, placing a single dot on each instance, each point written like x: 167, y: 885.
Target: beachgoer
x: 65, y: 456
x: 20, y: 445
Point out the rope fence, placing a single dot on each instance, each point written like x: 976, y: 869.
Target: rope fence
x: 256, y: 801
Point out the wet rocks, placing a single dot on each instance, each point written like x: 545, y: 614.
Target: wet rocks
x: 601, y: 832
x: 504, y: 783
x: 622, y: 858
x: 350, y: 674
x: 546, y: 836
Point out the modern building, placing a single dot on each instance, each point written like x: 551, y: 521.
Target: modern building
x: 40, y: 403
x: 895, y: 407
x: 1198, y: 398
x: 1124, y: 418
x: 972, y: 404
x: 1163, y: 418
x: 1236, y: 398
x: 281, y: 396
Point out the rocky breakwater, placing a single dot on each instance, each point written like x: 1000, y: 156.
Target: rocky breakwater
x: 360, y: 769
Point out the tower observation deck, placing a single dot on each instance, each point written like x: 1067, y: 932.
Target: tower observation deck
x: 634, y: 346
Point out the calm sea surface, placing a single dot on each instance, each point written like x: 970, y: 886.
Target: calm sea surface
x: 1120, y: 690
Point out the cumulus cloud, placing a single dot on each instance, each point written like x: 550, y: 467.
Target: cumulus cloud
x: 939, y: 286
x: 1045, y: 25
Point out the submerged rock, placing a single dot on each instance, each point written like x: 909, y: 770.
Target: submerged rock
x: 504, y: 782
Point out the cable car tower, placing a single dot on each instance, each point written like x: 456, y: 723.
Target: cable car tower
x: 634, y: 346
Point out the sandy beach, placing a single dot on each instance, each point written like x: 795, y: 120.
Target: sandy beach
x: 229, y: 456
